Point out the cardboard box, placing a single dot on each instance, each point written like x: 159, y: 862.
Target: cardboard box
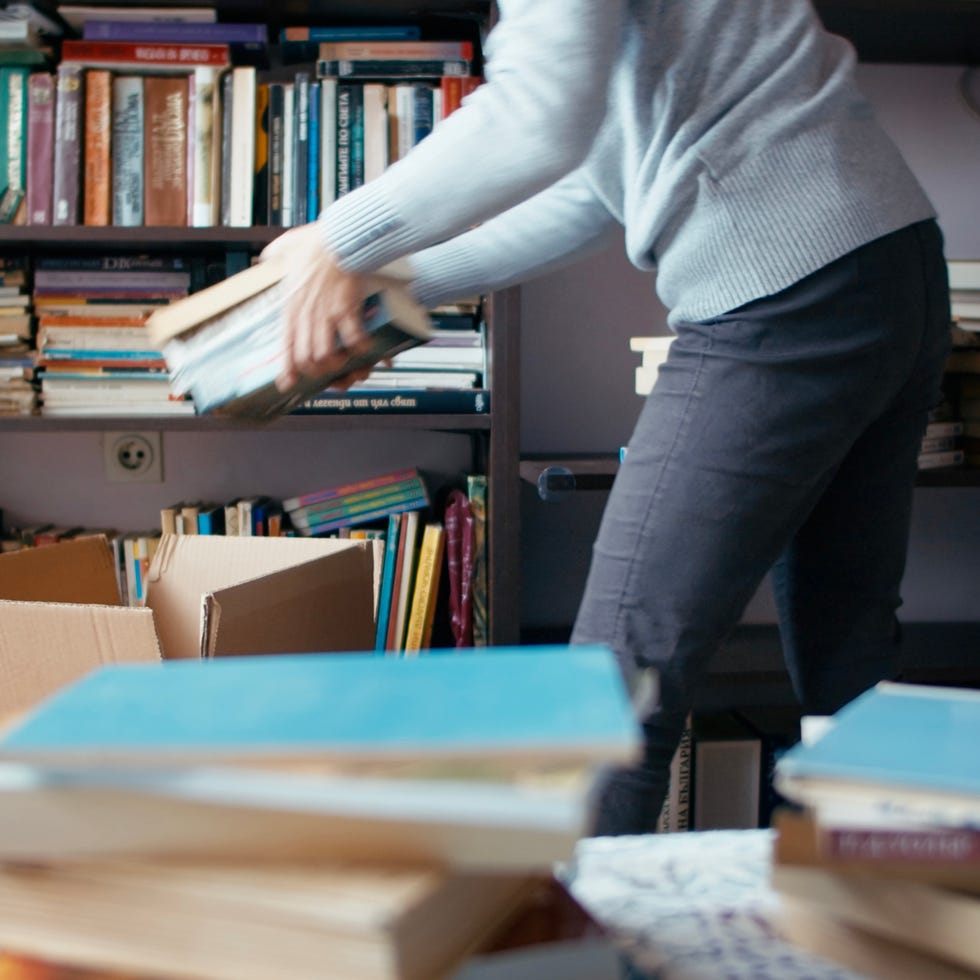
x: 61, y: 613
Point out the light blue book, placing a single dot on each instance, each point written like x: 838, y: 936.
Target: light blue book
x: 896, y: 749
x: 560, y: 703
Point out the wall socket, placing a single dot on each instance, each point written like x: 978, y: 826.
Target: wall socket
x: 133, y: 457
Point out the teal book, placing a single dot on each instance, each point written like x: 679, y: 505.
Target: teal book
x: 548, y: 703
x: 387, y: 582
x: 896, y: 749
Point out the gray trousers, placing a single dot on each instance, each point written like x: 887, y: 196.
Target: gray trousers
x: 782, y: 435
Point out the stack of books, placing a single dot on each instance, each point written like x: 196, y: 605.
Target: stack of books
x: 17, y: 356
x: 880, y: 866
x: 346, y: 816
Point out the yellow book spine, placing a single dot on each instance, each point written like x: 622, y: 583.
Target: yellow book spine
x: 419, y: 631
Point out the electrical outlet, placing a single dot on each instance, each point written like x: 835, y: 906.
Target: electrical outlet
x: 133, y: 457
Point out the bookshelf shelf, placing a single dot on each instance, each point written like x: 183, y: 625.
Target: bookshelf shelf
x: 93, y: 239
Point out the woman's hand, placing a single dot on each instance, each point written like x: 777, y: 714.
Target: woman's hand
x: 323, y: 318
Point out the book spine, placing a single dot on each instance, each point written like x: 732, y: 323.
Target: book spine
x: 349, y: 488
x: 349, y: 506
x: 366, y: 517
x: 313, y: 155
x: 301, y: 146
x: 382, y: 69
x: 260, y: 191
x: 357, y: 136
x: 476, y: 490
x: 40, y: 147
x: 947, y: 846
x: 431, y: 401
x: 387, y: 582
x: 375, y: 32
x: 422, y: 113
x: 127, y: 150
x: 243, y: 146
x: 174, y: 32
x: 375, y: 130
x: 344, y: 96
x: 328, y: 141
x: 165, y: 140
x: 418, y: 633
x: 67, y: 145
x: 277, y: 111
x: 405, y: 113
x: 395, y: 51
x: 950, y: 457
x: 227, y: 107
x: 202, y: 198
x: 173, y: 57
x: 97, y: 140
x: 288, y: 170
x: 16, y: 95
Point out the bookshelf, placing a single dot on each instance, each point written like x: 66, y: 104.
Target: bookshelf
x: 493, y: 436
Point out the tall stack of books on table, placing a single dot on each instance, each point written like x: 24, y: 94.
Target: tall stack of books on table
x: 880, y: 868
x: 365, y: 817
x: 94, y: 353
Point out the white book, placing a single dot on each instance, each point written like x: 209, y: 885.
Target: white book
x: 964, y: 273
x: 405, y: 110
x: 288, y: 153
x: 127, y: 150
x: 328, y: 141
x: 242, y: 146
x: 202, y: 161
x: 375, y: 130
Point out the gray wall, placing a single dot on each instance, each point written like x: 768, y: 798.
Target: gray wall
x: 577, y: 383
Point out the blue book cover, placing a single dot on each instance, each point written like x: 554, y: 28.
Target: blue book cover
x: 907, y: 736
x: 313, y: 165
x: 351, y: 32
x: 387, y: 581
x: 559, y: 702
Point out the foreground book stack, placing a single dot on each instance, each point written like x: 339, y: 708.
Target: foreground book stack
x: 345, y: 816
x: 880, y: 869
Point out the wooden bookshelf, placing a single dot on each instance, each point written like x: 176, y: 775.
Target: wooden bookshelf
x: 494, y: 436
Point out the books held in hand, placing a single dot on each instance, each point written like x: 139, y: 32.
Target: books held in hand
x: 224, y: 345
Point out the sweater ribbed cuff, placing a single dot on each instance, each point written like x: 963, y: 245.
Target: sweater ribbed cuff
x: 364, y: 232
x: 444, y: 273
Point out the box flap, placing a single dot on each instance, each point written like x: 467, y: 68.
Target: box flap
x: 324, y: 605
x: 82, y: 570
x: 44, y: 646
x: 187, y: 568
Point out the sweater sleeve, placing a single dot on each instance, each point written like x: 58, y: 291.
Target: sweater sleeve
x: 548, y: 64
x: 555, y: 227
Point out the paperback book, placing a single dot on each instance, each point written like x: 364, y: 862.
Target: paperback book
x: 224, y: 345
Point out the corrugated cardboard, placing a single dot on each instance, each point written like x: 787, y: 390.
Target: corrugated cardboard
x: 44, y: 645
x: 60, y: 612
x: 81, y: 570
x: 215, y: 595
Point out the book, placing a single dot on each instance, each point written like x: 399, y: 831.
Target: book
x: 676, y: 812
x: 204, y: 158
x: 67, y: 168
x: 410, y: 488
x: 386, y: 592
x: 241, y: 163
x: 224, y: 344
x: 301, y: 146
x: 458, y: 523
x: 14, y: 91
x: 175, y: 32
x: 127, y: 56
x: 76, y: 15
x: 251, y: 922
x: 421, y: 401
x: 165, y: 149
x: 404, y: 580
x: 128, y: 129
x: 350, y: 32
x: 477, y: 490
x: 385, y: 68
x: 510, y: 706
x: 40, y: 147
x: 349, y: 489
x: 97, y: 143
x: 897, y: 750
x: 322, y: 524
x: 418, y: 632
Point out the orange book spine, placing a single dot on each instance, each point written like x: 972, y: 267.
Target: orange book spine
x: 97, y: 138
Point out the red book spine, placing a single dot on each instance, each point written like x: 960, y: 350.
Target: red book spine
x: 134, y: 53
x: 40, y: 147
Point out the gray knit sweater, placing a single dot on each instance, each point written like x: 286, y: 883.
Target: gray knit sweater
x: 726, y: 136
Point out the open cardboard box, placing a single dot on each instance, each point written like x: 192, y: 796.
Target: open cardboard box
x: 61, y: 613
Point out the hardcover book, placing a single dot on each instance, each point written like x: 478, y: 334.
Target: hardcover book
x: 165, y: 142
x: 127, y: 150
x: 40, y: 147
x: 69, y: 101
x: 224, y: 344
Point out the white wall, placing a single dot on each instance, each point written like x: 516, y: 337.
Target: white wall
x: 577, y: 382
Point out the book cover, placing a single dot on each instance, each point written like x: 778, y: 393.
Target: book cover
x: 127, y: 55
x: 67, y: 171
x: 277, y: 112
x: 386, y: 593
x: 408, y: 490
x: 301, y: 146
x: 40, y: 147
x: 414, y: 401
x: 203, y: 157
x: 313, y: 154
x: 347, y: 489
x: 375, y: 96
x: 351, y: 32
x: 288, y: 153
x: 97, y: 147
x: 421, y: 614
x: 458, y: 522
x: 345, y: 124
x: 260, y: 191
x: 127, y: 150
x: 165, y: 143
x: 405, y: 580
x: 14, y: 86
x: 522, y: 703
x: 367, y: 516
x: 328, y: 140
x: 384, y: 68
x: 242, y: 161
x: 175, y: 32
x: 477, y: 490
x: 895, y: 748
x: 226, y: 108
x: 224, y: 343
